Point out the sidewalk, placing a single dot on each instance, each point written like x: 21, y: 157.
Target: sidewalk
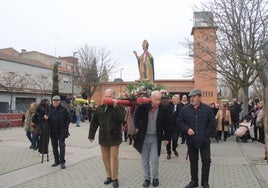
x: 233, y: 164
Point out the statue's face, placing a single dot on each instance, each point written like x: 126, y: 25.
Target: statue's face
x: 145, y: 45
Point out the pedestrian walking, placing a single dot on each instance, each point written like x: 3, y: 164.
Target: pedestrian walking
x: 151, y: 127
x: 109, y: 120
x: 78, y: 113
x: 197, y: 120
x: 28, y: 126
x: 58, y: 121
x: 224, y: 120
x: 184, y: 102
x: 174, y: 108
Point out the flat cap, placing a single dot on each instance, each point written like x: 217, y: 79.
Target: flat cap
x: 56, y: 97
x: 195, y: 92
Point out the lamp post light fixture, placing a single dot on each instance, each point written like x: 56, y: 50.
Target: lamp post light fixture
x: 74, y: 53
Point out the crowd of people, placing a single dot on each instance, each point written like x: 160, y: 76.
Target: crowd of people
x: 48, y: 120
x: 230, y: 115
x: 145, y: 126
x: 81, y: 113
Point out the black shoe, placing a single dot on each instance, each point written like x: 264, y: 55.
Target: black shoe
x: 62, y: 165
x: 35, y: 148
x: 176, y: 153
x: 155, y: 182
x: 146, y: 183
x: 55, y: 164
x: 205, y: 185
x: 31, y: 146
x: 169, y: 156
x: 192, y: 184
x: 108, y: 181
x: 115, y: 183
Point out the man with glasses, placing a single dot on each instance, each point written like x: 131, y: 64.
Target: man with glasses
x: 58, y: 121
x: 197, y: 121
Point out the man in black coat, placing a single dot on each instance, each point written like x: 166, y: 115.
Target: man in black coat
x: 58, y: 120
x: 174, y: 108
x: 197, y: 120
x: 151, y: 127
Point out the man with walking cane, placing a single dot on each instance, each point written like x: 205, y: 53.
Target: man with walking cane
x: 58, y: 120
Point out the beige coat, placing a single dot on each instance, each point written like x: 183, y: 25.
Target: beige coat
x: 219, y: 117
x: 130, y: 121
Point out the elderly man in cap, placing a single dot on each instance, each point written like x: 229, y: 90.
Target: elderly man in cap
x: 58, y: 121
x: 197, y: 121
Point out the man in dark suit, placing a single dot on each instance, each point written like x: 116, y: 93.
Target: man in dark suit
x: 174, y: 108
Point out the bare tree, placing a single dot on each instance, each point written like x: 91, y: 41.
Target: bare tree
x: 96, y: 65
x: 43, y: 82
x: 241, y: 36
x: 12, y: 82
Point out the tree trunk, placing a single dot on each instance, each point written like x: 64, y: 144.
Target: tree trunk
x: 266, y: 120
x: 245, y: 101
x: 264, y: 79
x: 11, y: 102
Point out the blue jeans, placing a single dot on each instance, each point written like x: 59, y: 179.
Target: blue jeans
x: 231, y: 129
x: 29, y: 136
x: 149, y: 154
x: 78, y: 119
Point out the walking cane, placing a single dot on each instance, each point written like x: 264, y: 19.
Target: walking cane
x: 187, y: 154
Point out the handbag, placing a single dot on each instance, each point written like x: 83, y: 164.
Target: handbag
x: 35, y: 118
x: 226, y: 123
x: 33, y: 124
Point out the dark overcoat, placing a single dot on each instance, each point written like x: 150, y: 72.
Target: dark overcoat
x: 141, y: 122
x: 201, y: 120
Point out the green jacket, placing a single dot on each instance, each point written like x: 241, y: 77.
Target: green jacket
x: 110, y: 122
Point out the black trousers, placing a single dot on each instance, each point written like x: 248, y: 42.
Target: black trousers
x: 205, y: 159
x: 174, y: 140
x: 58, y: 142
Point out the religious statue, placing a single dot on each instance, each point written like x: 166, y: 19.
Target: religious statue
x: 145, y: 64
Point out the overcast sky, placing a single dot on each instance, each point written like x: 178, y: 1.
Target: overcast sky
x: 61, y: 27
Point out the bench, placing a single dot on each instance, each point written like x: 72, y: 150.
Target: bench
x: 4, y: 122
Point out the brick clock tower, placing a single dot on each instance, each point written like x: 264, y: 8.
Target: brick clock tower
x: 204, y: 53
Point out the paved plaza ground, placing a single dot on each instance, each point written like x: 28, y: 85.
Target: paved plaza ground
x: 234, y: 165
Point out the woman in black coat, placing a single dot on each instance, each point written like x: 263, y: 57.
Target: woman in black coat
x: 41, y: 110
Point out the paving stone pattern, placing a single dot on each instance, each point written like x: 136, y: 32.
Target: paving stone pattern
x: 234, y: 165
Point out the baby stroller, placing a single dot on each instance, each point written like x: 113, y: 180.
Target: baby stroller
x: 242, y: 132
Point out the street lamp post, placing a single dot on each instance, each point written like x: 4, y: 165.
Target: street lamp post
x: 120, y: 95
x: 74, y: 53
